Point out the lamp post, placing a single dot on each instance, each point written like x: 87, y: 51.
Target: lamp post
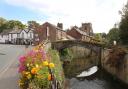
x: 114, y: 43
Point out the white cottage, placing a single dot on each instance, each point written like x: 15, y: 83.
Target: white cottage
x: 19, y: 36
x: 14, y: 35
x: 4, y: 36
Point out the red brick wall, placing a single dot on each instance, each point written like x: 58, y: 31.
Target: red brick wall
x: 54, y: 33
x: 42, y: 32
x: 74, y: 34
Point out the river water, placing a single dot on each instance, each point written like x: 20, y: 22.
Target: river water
x: 99, y: 80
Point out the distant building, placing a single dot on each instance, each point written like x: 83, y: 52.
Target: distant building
x: 76, y: 33
x: 87, y: 27
x: 19, y: 36
x: 4, y: 36
x: 85, y: 32
x: 48, y: 31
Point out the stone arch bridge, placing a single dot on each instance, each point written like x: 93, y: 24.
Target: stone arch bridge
x: 92, y: 52
x: 95, y: 47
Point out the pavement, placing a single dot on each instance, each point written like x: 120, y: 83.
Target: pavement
x: 9, y: 55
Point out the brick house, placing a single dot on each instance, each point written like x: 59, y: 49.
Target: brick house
x: 85, y: 32
x: 48, y: 31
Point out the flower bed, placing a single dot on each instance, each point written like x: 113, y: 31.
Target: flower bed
x: 35, y: 68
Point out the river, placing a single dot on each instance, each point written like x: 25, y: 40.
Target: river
x: 100, y: 80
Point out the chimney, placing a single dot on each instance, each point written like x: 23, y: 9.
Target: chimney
x: 60, y: 25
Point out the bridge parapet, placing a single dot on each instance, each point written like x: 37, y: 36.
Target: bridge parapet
x: 69, y: 43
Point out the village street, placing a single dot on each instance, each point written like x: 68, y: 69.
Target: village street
x: 9, y: 65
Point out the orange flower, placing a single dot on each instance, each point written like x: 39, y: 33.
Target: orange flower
x: 50, y: 77
x: 51, y: 65
x: 34, y: 70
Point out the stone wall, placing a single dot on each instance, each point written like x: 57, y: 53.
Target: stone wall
x: 119, y: 73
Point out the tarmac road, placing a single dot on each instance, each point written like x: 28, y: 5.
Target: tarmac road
x: 9, y: 55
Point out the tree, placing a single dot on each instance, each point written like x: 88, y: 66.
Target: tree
x: 2, y: 24
x: 97, y: 36
x: 113, y: 35
x: 32, y: 24
x: 15, y: 24
x: 123, y: 27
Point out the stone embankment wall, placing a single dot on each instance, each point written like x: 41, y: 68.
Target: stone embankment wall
x: 119, y: 73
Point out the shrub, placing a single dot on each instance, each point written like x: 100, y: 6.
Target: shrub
x: 116, y: 56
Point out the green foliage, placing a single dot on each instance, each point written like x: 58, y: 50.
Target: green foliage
x: 113, y: 35
x: 116, y: 56
x: 14, y: 24
x: 58, y: 70
x: 123, y: 32
x: 100, y: 36
x: 97, y: 36
x: 2, y: 24
x: 10, y: 24
x: 38, y: 83
x: 33, y: 24
x: 66, y: 54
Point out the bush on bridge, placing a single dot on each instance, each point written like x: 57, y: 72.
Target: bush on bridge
x: 34, y: 68
x: 116, y: 56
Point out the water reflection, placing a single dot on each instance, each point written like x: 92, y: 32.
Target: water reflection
x: 99, y: 80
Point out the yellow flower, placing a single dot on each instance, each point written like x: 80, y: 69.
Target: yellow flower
x: 28, y: 65
x: 37, y: 66
x: 20, y: 82
x: 39, y: 76
x: 45, y: 63
x: 51, y: 65
x: 29, y: 76
x: 34, y: 70
x: 27, y: 73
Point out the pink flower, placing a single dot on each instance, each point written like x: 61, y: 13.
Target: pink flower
x: 21, y: 68
x: 43, y: 53
x: 31, y: 53
x: 22, y: 59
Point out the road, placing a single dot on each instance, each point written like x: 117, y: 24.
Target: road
x: 9, y: 55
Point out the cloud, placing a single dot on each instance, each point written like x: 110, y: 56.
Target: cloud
x: 103, y: 14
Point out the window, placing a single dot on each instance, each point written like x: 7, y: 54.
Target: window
x: 18, y: 35
x: 11, y: 36
x: 36, y: 35
x: 30, y: 35
x: 47, y: 31
x: 22, y: 35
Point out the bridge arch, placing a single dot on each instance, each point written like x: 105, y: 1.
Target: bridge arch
x: 59, y: 45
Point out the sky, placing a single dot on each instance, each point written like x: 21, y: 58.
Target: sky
x: 103, y: 14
